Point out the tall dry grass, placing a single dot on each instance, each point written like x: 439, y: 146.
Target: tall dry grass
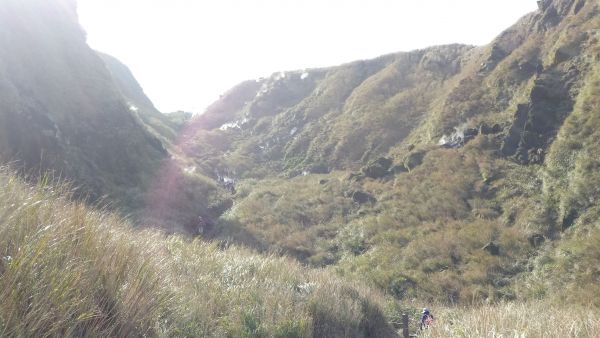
x: 516, y: 320
x: 67, y: 270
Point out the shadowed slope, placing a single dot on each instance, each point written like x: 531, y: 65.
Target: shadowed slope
x: 60, y: 109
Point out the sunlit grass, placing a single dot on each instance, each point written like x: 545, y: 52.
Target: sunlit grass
x: 68, y: 270
x: 516, y: 320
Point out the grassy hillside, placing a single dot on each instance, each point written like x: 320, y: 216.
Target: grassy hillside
x: 516, y: 320
x: 69, y: 270
x: 326, y: 118
x: 455, y: 173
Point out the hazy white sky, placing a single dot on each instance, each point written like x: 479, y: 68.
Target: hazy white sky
x: 185, y: 53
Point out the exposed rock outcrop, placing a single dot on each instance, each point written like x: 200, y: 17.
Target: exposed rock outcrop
x: 535, y: 124
x: 362, y: 197
x: 536, y: 240
x: 378, y: 168
x: 486, y: 129
x: 492, y: 248
x: 414, y: 159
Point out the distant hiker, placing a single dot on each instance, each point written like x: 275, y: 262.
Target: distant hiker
x: 426, y: 319
x: 200, y: 225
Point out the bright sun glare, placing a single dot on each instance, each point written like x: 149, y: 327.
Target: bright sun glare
x: 186, y: 52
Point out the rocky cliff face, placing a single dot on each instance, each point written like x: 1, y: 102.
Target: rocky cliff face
x: 61, y: 110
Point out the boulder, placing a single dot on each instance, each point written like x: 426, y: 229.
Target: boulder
x: 510, y: 144
x: 536, y: 240
x: 458, y: 138
x: 469, y: 134
x: 398, y: 169
x: 486, y: 129
x: 497, y: 54
x: 569, y: 219
x: 362, y: 197
x: 378, y: 168
x: 451, y: 141
x: 530, y: 67
x: 414, y: 160
x: 492, y: 248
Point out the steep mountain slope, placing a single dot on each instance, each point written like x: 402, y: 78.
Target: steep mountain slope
x: 457, y: 173
x: 60, y: 109
x: 334, y: 117
x: 161, y: 124
x: 454, y: 173
x: 67, y: 269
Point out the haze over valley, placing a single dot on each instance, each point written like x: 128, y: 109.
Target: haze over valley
x: 321, y: 200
